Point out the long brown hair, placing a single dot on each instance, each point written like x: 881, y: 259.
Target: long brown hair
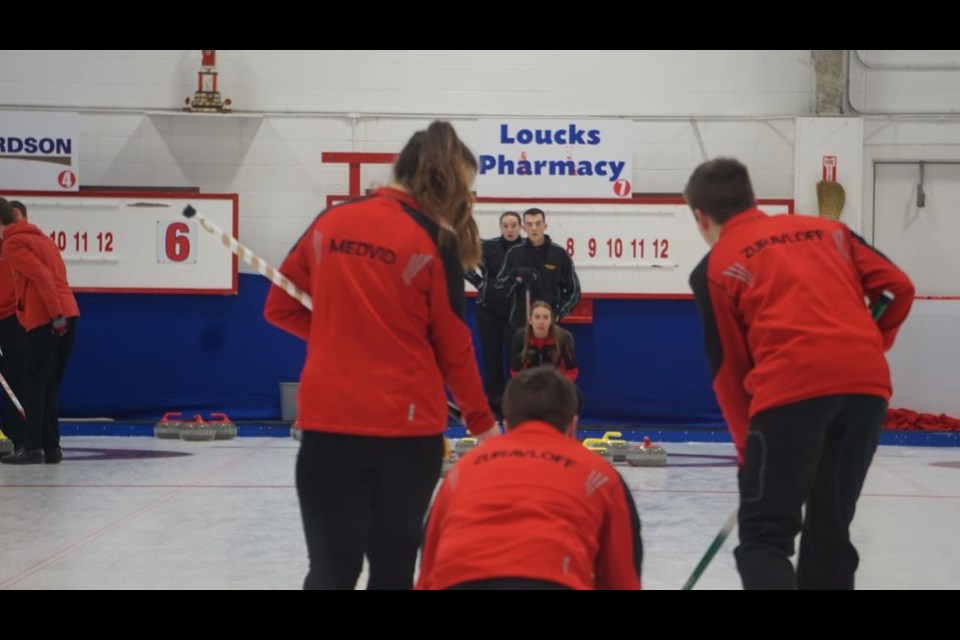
x: 434, y: 166
x: 562, y: 340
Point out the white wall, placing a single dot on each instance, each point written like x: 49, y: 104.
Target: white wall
x: 899, y: 81
x: 922, y: 240
x: 841, y: 138
x: 686, y: 106
x: 924, y: 359
x: 541, y: 83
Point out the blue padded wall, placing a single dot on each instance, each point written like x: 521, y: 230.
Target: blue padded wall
x: 137, y: 356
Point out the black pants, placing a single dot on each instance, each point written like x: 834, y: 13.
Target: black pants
x: 12, y: 337
x: 815, y: 452
x: 362, y: 495
x: 509, y: 584
x: 46, y: 361
x: 495, y: 339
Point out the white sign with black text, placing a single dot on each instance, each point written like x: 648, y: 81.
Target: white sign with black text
x: 39, y: 151
x: 563, y: 158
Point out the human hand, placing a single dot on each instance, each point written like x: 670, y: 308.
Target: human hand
x: 525, y: 274
x: 492, y: 432
x: 59, y: 326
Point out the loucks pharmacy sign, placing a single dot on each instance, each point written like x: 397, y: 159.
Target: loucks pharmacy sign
x: 557, y: 158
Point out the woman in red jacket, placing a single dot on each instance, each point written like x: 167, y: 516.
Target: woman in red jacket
x: 384, y: 339
x: 543, y: 341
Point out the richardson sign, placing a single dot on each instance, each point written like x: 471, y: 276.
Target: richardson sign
x: 39, y: 151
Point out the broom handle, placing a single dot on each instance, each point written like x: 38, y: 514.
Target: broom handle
x: 12, y: 396
x: 881, y: 304
x: 718, y: 541
x: 252, y: 259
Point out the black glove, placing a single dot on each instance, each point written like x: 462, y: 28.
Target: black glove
x: 527, y: 274
x: 59, y: 326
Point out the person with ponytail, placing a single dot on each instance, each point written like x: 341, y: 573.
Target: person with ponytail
x: 542, y: 342
x: 385, y: 340
x: 493, y: 308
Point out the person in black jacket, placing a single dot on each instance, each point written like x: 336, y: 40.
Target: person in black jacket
x: 493, y: 308
x: 541, y: 267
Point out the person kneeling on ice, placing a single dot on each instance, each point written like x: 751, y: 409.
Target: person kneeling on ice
x: 542, y: 342
x: 533, y: 509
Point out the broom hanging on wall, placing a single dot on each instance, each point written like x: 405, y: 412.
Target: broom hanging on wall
x: 830, y: 199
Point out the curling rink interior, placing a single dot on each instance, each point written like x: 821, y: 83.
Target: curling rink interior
x: 106, y: 150
x: 142, y: 513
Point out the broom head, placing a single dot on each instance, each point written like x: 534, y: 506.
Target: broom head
x: 830, y: 199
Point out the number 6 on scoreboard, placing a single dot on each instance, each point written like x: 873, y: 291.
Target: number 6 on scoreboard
x: 176, y: 241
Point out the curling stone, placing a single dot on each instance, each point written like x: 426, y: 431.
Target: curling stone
x: 448, y: 458
x: 617, y: 447
x: 451, y: 454
x: 169, y: 425
x: 226, y: 428
x: 598, y: 445
x: 464, y: 445
x: 647, y: 455
x: 198, y: 430
x: 6, y: 446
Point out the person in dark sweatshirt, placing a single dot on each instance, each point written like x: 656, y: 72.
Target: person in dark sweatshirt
x: 538, y: 269
x: 493, y: 308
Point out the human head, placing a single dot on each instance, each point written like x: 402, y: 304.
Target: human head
x: 535, y: 224
x: 541, y: 318
x: 544, y: 394
x: 510, y: 225
x: 19, y: 206
x: 438, y: 170
x: 541, y: 313
x: 718, y: 190
x: 8, y: 215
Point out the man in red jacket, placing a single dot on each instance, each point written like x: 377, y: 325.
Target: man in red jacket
x: 799, y: 371
x: 533, y: 509
x: 48, y: 312
x: 12, y: 344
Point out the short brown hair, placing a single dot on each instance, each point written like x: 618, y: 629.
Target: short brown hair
x: 22, y: 208
x: 720, y: 188
x: 541, y: 393
x: 507, y: 214
x: 7, y: 214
